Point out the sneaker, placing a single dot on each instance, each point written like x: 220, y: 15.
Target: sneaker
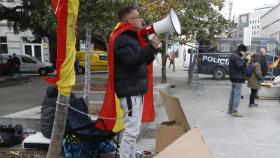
x: 251, y: 105
x: 256, y: 105
x: 229, y: 112
x: 236, y: 114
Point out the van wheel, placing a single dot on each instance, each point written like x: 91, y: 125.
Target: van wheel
x: 43, y: 72
x: 81, y: 70
x: 219, y: 73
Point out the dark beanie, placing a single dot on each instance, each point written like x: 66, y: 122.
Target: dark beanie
x: 241, y: 47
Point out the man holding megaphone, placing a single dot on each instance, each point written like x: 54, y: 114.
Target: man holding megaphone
x: 132, y: 55
x: 129, y: 84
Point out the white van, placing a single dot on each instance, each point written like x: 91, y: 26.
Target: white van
x: 29, y: 64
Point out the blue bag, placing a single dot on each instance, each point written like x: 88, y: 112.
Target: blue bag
x: 80, y: 150
x: 249, y: 70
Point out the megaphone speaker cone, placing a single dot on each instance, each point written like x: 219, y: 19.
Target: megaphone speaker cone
x: 170, y: 23
x: 175, y: 21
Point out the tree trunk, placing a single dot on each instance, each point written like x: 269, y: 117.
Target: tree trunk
x: 190, y: 71
x: 58, y: 127
x: 163, y: 58
x: 174, y: 64
x: 87, y: 64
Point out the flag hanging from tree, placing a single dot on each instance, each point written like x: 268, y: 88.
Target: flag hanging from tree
x: 66, y: 12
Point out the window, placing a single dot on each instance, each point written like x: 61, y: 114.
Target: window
x: 28, y: 50
x: 270, y: 47
x: 28, y: 60
x: 3, y: 45
x: 225, y: 47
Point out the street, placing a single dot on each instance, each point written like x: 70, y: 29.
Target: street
x: 22, y: 95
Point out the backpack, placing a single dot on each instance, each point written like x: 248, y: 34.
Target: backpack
x: 249, y: 70
x: 10, y: 135
x: 48, y: 109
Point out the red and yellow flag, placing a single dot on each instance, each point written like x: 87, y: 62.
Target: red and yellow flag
x: 66, y: 12
x: 275, y: 63
x: 111, y: 106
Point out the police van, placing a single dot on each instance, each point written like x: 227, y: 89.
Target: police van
x: 213, y: 57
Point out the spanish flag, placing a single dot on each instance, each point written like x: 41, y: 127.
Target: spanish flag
x: 275, y: 63
x: 66, y: 12
x: 111, y: 111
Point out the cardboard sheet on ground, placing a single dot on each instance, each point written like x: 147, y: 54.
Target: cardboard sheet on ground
x: 190, y: 145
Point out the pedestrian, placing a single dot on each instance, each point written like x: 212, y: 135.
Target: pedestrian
x: 10, y: 66
x: 130, y: 73
x: 263, y: 62
x: 171, y: 57
x: 255, y: 78
x: 16, y: 65
x: 237, y: 64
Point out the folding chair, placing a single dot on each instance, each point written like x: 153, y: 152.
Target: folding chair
x: 80, y: 126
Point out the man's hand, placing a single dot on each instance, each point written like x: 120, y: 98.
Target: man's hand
x: 155, y: 41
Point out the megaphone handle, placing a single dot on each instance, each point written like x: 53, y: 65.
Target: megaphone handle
x: 151, y: 36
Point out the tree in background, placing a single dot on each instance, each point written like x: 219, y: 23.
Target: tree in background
x: 200, y: 19
x: 38, y: 16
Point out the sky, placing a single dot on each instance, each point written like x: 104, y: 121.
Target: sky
x: 246, y: 6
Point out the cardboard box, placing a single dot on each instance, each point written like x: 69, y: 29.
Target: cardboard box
x: 174, y: 110
x: 272, y: 92
x: 178, y: 125
x: 167, y: 134
x: 175, y: 139
x: 190, y: 145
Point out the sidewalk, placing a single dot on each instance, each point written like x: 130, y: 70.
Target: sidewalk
x: 256, y: 135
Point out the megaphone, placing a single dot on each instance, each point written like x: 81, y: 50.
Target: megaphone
x: 170, y: 23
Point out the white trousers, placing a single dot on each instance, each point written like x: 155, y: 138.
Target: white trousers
x: 133, y: 107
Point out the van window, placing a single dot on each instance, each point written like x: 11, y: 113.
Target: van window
x: 28, y: 60
x: 225, y: 47
x: 270, y: 47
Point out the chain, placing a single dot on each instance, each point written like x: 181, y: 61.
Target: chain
x: 89, y: 115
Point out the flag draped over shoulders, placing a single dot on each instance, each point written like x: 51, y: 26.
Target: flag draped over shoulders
x: 111, y: 111
x: 66, y: 12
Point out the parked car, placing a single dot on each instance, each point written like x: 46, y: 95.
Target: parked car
x: 29, y: 64
x: 98, y: 61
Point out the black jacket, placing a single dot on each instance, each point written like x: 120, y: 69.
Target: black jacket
x: 237, y: 68
x: 130, y: 62
x: 264, y: 65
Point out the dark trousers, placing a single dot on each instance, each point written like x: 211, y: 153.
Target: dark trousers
x: 253, y: 95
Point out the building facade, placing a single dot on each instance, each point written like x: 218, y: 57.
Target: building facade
x: 270, y: 23
x: 23, y: 42
x: 251, y: 20
x: 254, y: 19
